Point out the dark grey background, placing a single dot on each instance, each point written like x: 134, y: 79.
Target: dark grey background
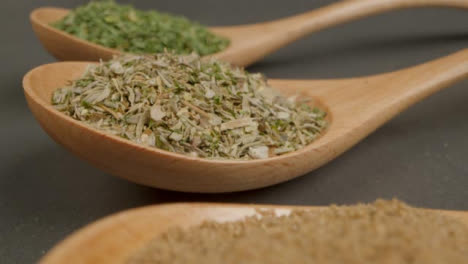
x: 419, y: 157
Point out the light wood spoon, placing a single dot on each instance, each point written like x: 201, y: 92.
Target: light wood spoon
x: 356, y: 107
x: 115, y: 238
x: 249, y: 43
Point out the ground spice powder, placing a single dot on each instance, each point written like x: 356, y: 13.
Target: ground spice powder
x: 385, y: 232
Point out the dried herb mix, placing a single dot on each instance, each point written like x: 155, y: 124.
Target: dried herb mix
x: 385, y: 232
x: 180, y: 103
x: 127, y: 29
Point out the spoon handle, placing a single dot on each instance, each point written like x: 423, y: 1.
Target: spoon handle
x: 271, y: 36
x: 358, y: 106
x: 346, y: 11
x: 400, y: 89
x: 363, y: 104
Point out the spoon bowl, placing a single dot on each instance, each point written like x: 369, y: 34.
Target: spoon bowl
x: 249, y: 43
x: 115, y: 238
x: 356, y: 107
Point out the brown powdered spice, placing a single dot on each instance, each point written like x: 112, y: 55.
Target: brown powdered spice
x: 385, y: 232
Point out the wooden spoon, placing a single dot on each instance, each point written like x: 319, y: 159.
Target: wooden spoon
x: 249, y: 43
x: 356, y: 107
x: 115, y: 238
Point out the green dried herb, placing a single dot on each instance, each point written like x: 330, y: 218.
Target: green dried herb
x: 180, y: 103
x: 124, y: 28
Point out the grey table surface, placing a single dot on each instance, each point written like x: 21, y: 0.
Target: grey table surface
x: 421, y: 156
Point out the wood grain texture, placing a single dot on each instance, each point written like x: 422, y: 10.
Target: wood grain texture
x: 249, y: 43
x: 356, y: 107
x: 113, y: 239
